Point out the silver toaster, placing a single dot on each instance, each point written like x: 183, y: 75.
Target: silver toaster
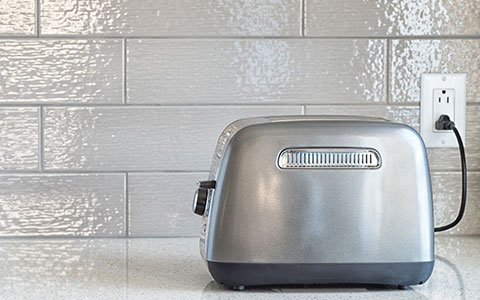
x: 317, y: 200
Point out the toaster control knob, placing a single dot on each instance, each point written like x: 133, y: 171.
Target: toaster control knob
x: 199, y: 201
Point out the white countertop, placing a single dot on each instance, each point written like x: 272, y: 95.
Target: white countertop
x: 172, y: 269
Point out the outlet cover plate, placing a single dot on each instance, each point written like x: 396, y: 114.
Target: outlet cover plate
x: 430, y: 83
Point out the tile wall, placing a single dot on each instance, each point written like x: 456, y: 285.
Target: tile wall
x: 110, y: 110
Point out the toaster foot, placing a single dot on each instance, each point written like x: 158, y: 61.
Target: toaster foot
x: 233, y: 287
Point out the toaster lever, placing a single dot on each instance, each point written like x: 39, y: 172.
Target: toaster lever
x: 208, y: 184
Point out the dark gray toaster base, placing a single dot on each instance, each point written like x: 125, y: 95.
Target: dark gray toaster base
x: 252, y: 274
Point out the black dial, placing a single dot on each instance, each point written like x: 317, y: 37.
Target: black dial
x: 200, y: 201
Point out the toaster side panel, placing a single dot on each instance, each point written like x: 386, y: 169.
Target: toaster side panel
x: 266, y: 215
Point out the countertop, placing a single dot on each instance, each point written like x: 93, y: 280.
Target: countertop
x: 171, y: 268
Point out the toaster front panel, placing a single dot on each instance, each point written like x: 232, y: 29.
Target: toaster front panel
x: 262, y: 212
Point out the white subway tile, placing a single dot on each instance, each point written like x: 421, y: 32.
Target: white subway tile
x: 140, y: 138
x: 403, y: 114
x: 391, y: 18
x: 160, y: 204
x: 17, y: 17
x: 61, y: 71
x: 447, y: 191
x: 172, y: 18
x: 302, y: 71
x: 62, y: 205
x: 411, y: 58
x: 19, y: 138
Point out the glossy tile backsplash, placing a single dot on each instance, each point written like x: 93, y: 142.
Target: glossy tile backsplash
x: 392, y: 18
x: 62, y: 204
x: 171, y: 18
x: 63, y: 71
x: 19, y: 136
x: 17, y: 17
x: 110, y: 110
x: 255, y: 71
x: 411, y: 58
x: 139, y: 138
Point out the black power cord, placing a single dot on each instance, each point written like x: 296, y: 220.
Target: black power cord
x: 444, y: 123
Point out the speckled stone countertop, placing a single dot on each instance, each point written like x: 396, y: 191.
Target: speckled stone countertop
x: 172, y: 269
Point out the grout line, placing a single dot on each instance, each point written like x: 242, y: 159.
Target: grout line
x: 124, y: 79
x: 388, y: 77
x: 196, y: 104
x: 61, y: 237
x: 303, y: 19
x: 304, y: 109
x: 127, y: 206
x: 40, y: 139
x: 93, y: 237
x: 257, y: 104
x: 164, y: 237
x: 87, y: 172
x: 187, y: 105
x: 127, y: 258
x: 233, y: 37
x: 37, y: 18
x: 452, y: 171
x: 84, y: 172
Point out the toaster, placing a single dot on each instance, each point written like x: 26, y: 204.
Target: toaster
x: 317, y: 200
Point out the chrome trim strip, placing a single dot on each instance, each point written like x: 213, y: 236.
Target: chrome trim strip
x: 329, y: 158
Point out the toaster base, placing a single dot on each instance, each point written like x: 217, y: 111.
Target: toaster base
x: 251, y: 274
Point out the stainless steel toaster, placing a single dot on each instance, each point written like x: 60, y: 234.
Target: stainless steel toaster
x: 317, y: 200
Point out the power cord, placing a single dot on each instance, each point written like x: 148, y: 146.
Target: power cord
x: 444, y: 123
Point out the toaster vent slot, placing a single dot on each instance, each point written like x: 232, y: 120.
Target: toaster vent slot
x: 316, y: 158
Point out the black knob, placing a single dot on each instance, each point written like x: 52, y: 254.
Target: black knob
x: 200, y: 201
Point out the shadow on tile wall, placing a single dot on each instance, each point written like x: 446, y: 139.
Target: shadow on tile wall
x: 110, y: 110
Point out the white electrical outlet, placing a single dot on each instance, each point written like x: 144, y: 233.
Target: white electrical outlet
x: 442, y: 94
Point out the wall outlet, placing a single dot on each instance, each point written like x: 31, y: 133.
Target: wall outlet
x: 442, y: 94
x: 443, y: 104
